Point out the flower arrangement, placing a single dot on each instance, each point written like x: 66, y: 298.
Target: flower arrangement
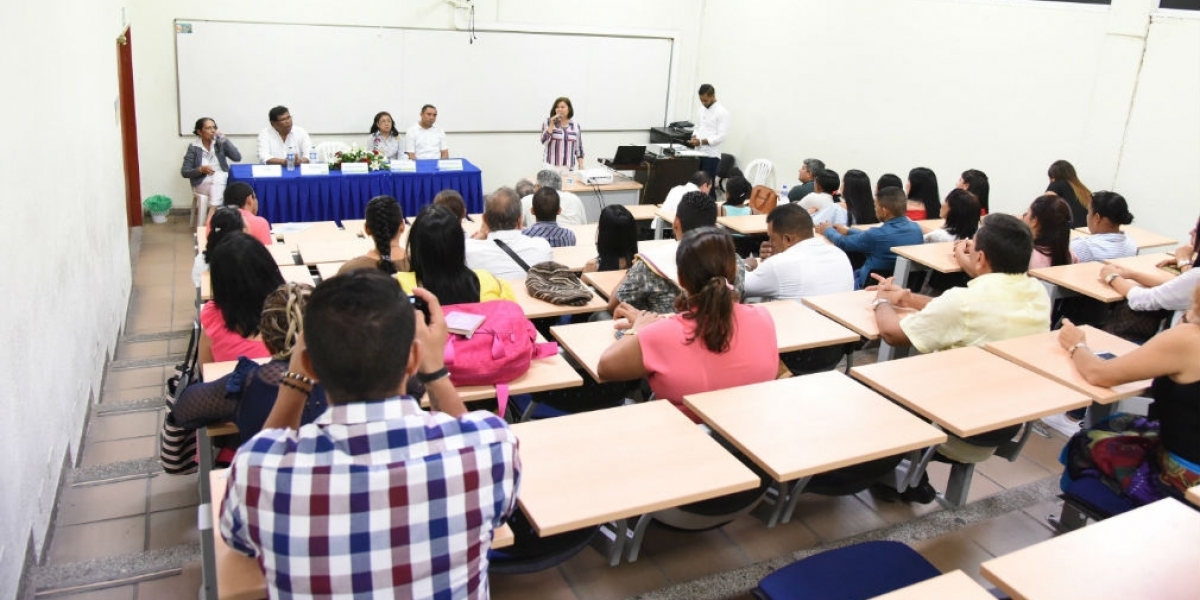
x: 374, y: 159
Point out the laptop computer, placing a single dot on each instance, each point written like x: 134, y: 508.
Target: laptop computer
x: 629, y: 155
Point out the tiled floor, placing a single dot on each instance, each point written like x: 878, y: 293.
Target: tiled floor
x: 141, y: 516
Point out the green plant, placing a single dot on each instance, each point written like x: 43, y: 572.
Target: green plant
x: 157, y: 203
x: 375, y: 161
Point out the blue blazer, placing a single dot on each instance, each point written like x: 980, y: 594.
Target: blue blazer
x: 877, y: 244
x: 193, y: 159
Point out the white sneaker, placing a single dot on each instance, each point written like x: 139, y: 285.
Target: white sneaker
x: 1062, y: 424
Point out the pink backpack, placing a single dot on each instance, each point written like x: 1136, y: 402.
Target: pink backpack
x: 498, y: 352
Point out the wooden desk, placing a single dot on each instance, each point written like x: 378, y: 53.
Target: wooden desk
x: 312, y: 253
x: 595, y: 467
x: 1146, y: 264
x: 1080, y: 278
x: 574, y: 257
x: 954, y: 585
x: 327, y: 270
x: 798, y: 328
x: 290, y: 273
x: 552, y: 373
x: 1148, y: 552
x: 969, y: 390
x: 282, y: 254
x: 745, y: 224
x: 237, y: 575
x: 585, y: 235
x: 585, y: 342
x: 937, y: 257
x: 1143, y: 238
x: 1193, y: 495
x: 623, y: 190
x: 1042, y: 354
x: 642, y: 212
x: 605, y: 282
x: 773, y: 424
x: 537, y: 309
x: 851, y: 309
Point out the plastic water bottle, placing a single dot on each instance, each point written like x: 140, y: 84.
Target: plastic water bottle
x: 783, y: 192
x: 312, y: 154
x: 291, y: 159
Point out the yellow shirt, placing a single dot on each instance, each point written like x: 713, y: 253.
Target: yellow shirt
x: 992, y: 307
x: 490, y: 288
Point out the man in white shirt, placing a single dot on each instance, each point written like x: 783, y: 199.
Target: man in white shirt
x: 276, y: 141
x: 711, y: 129
x: 423, y: 139
x: 502, y: 222
x: 821, y: 203
x: 573, y: 212
x: 794, y: 263
x: 698, y: 182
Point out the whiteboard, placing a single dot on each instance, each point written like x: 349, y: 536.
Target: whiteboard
x: 335, y: 78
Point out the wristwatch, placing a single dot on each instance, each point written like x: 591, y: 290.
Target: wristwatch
x: 876, y: 302
x: 434, y: 376
x: 1183, y: 263
x: 1077, y: 346
x: 1111, y: 276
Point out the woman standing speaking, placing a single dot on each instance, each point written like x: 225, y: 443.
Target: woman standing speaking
x: 562, y: 140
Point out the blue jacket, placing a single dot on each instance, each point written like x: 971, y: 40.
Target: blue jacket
x: 193, y: 159
x: 877, y: 244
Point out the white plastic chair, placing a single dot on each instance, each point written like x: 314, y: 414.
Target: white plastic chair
x: 761, y: 172
x: 326, y: 150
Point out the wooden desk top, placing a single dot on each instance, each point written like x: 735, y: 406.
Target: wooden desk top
x: 747, y: 224
x: 553, y: 373
x: 1081, y: 278
x: 320, y: 235
x: 1148, y: 552
x: 590, y: 468
x: 282, y: 253
x: 969, y: 390
x: 851, y: 309
x: 773, y: 424
x: 330, y: 269
x: 954, y: 585
x: 798, y: 328
x: 290, y: 273
x: 536, y: 309
x: 1144, y: 238
x: 938, y: 256
x: 574, y: 257
x: 312, y: 253
x: 238, y: 575
x: 585, y: 342
x: 1193, y: 495
x: 620, y: 183
x: 642, y: 212
x: 1147, y: 264
x: 605, y: 282
x: 1042, y: 354
x: 585, y: 235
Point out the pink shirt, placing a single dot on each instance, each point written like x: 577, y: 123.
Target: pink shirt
x: 677, y: 368
x: 227, y: 344
x: 255, y: 226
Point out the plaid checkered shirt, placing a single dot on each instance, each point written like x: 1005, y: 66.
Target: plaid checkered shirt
x: 374, y: 499
x: 552, y: 232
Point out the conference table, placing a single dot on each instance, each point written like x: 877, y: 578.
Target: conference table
x: 296, y: 198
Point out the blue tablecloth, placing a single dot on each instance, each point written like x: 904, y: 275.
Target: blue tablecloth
x: 335, y: 196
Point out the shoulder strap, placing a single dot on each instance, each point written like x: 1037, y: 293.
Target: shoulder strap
x: 509, y: 251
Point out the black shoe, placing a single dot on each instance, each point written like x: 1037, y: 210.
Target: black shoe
x: 923, y: 493
x: 885, y: 493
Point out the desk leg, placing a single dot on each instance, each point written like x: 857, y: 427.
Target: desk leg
x: 781, y: 494
x: 636, y: 537
x: 208, y: 557
x: 1097, y: 412
x: 613, y: 542
x: 659, y: 225
x: 794, y: 497
x: 900, y: 274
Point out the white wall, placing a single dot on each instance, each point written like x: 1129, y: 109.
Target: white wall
x: 504, y: 158
x: 65, y: 253
x: 1006, y: 86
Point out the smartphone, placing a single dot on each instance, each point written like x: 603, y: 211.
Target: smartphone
x: 1106, y: 355
x: 420, y: 305
x: 1172, y: 269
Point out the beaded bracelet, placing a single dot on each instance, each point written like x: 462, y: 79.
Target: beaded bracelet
x: 299, y: 377
x: 289, y: 384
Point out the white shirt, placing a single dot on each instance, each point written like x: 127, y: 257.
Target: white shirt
x: 487, y: 255
x: 810, y: 267
x: 425, y: 143
x: 1175, y: 294
x: 824, y: 210
x: 270, y: 145
x: 572, y: 213
x: 713, y: 126
x: 671, y: 203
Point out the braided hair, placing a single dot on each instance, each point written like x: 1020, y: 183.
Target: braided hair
x: 282, y: 318
x: 384, y: 220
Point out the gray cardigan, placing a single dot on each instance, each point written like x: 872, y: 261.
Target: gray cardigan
x: 193, y: 159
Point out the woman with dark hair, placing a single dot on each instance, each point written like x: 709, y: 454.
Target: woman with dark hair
x: 1065, y: 183
x: 712, y: 342
x: 1146, y: 291
x: 1107, y: 212
x: 384, y: 224
x: 562, y: 139
x: 243, y: 274
x: 737, y: 191
x: 616, y: 240
x: 923, y: 196
x: 384, y: 137
x: 860, y: 202
x: 1050, y: 219
x: 976, y: 182
x: 960, y: 212
x: 225, y: 220
x: 438, y: 257
x: 206, y: 164
x: 888, y: 180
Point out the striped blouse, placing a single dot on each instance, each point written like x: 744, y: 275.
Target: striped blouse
x: 563, y: 146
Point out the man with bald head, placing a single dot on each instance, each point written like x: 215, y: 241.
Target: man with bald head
x: 499, y: 247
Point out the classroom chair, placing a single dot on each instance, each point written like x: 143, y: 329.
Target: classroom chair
x: 761, y: 172
x: 531, y: 553
x: 728, y: 162
x: 860, y: 571
x: 961, y: 473
x: 1086, y: 498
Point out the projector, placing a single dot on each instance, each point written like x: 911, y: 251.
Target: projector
x: 596, y: 176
